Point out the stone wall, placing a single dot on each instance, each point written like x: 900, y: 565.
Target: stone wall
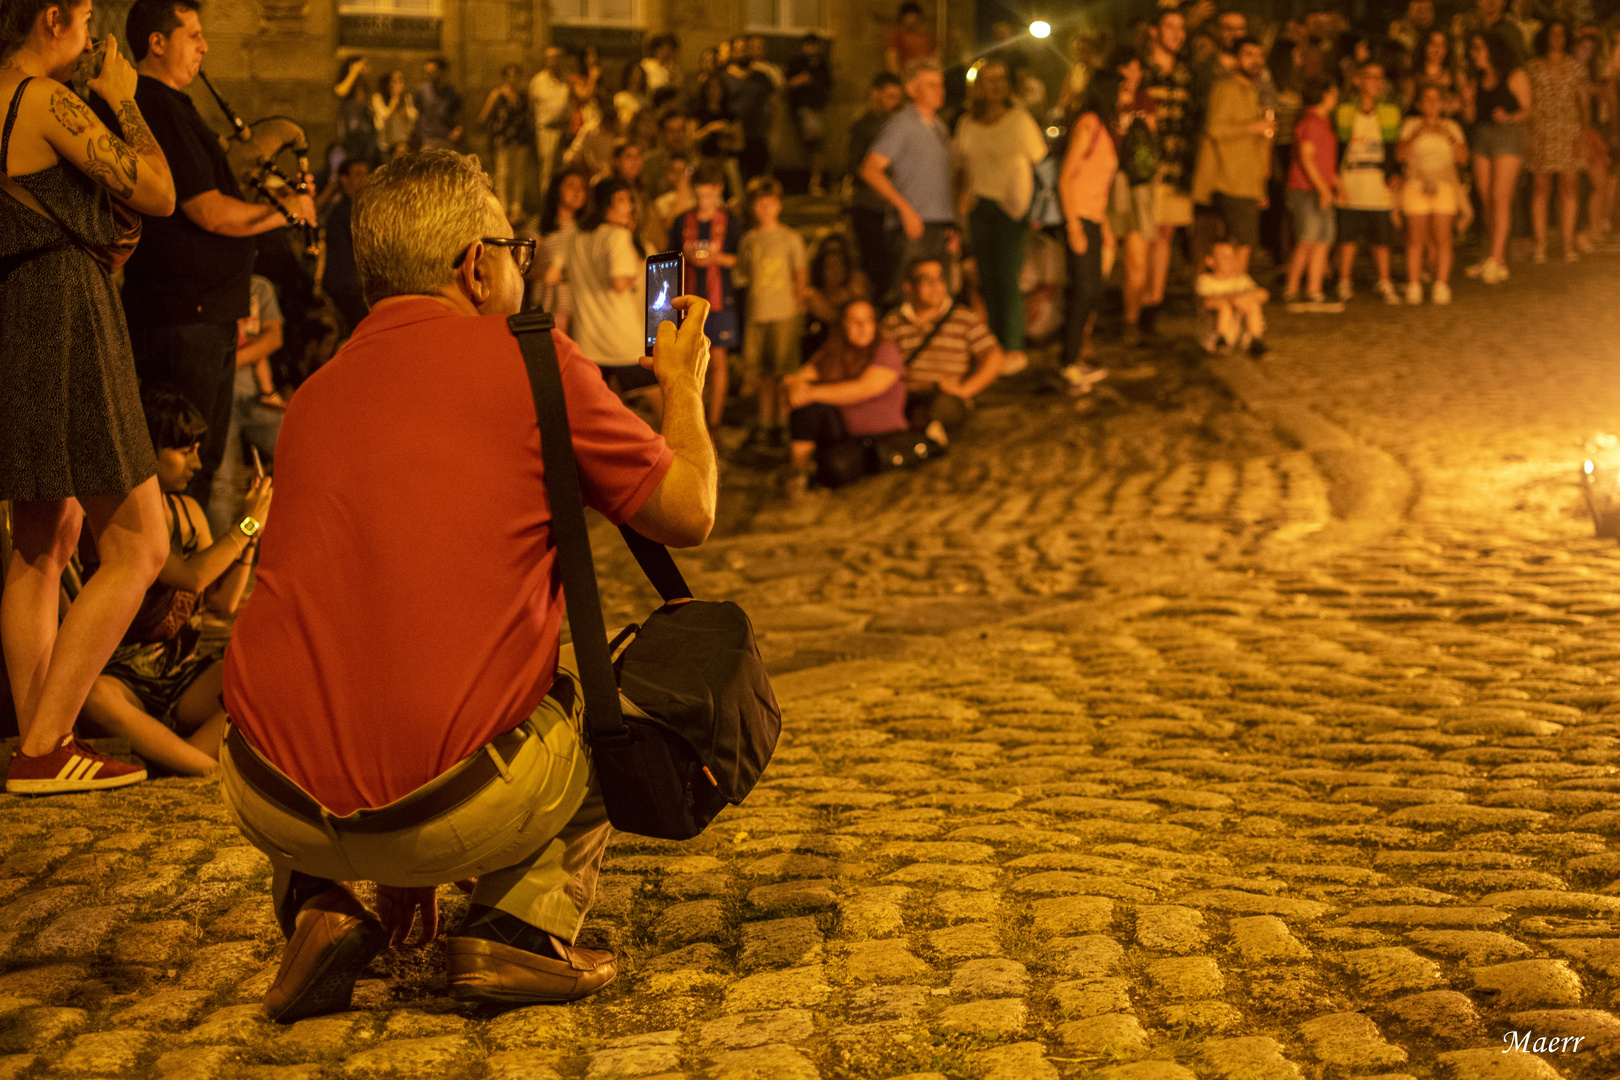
x: 281, y: 57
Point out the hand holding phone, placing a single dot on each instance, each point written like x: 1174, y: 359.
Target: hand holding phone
x: 258, y: 463
x: 666, y: 274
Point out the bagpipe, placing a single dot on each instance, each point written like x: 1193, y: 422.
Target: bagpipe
x: 255, y: 154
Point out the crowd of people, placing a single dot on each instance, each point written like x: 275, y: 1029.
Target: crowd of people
x: 1189, y: 138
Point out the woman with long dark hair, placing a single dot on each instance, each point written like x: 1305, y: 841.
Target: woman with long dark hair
x: 1558, y: 86
x: 1497, y: 101
x: 999, y: 144
x: 1089, y: 163
x: 73, y: 443
x: 834, y: 283
x: 850, y: 387
x: 565, y: 201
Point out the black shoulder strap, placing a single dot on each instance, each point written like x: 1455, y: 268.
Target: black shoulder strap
x: 11, y: 120
x: 569, y: 532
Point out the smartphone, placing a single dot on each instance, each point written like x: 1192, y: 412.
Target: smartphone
x: 666, y: 275
x: 258, y: 463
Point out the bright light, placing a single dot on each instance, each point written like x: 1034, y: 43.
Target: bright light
x: 1040, y: 29
x: 1589, y: 467
x: 1053, y: 132
x: 973, y: 72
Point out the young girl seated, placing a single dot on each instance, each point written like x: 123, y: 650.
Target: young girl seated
x: 1231, y: 314
x: 161, y: 690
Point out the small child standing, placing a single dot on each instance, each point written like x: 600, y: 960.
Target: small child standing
x: 1369, y: 129
x: 1232, y: 302
x: 708, y: 237
x: 1313, y: 184
x: 772, y: 263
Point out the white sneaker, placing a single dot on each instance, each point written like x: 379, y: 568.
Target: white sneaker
x: 1494, y: 273
x: 1386, y: 289
x: 1346, y: 289
x: 1477, y: 270
x: 1414, y: 292
x: 1441, y: 294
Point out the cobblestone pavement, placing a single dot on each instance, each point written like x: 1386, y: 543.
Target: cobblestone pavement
x: 1110, y: 751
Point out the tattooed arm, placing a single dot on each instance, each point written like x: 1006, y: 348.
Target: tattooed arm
x: 134, y: 171
x: 138, y: 176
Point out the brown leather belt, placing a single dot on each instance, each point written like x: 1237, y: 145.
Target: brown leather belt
x: 464, y: 780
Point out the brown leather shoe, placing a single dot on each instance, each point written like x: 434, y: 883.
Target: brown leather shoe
x: 333, y: 940
x: 482, y: 970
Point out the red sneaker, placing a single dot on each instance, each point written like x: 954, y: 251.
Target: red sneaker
x: 72, y: 766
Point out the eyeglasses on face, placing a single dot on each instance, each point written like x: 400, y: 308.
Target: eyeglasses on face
x: 522, y: 250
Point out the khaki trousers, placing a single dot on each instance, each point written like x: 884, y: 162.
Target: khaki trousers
x: 534, y: 837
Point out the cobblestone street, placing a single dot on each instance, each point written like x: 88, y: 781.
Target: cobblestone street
x: 1258, y: 722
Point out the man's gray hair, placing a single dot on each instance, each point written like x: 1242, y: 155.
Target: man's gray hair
x: 923, y: 64
x: 414, y: 217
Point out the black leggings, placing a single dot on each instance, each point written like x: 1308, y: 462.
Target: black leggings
x: 817, y: 423
x: 1083, y: 293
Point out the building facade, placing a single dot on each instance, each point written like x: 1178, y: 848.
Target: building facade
x: 283, y: 57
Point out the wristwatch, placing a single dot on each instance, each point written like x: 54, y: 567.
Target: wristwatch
x: 249, y: 526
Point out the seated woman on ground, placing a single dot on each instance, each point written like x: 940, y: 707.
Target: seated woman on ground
x: 850, y: 387
x: 160, y: 690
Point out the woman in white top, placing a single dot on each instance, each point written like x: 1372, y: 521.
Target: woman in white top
x: 394, y: 116
x: 607, y: 275
x: 1431, y: 147
x: 999, y: 144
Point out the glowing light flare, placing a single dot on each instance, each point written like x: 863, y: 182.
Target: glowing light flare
x: 1589, y: 466
x: 1040, y: 28
x: 1053, y: 132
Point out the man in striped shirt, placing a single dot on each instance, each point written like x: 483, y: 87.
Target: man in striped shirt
x: 946, y: 370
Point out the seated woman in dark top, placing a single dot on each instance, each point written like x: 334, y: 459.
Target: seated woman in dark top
x: 850, y: 387
x: 161, y: 688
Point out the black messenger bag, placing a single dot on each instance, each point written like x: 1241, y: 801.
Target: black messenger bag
x: 701, y: 721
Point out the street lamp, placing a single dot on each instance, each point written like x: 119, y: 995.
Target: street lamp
x: 1040, y: 28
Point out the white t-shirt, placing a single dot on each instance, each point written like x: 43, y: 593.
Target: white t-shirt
x: 1000, y: 159
x: 607, y: 325
x: 1431, y: 158
x: 1361, y: 169
x: 548, y: 98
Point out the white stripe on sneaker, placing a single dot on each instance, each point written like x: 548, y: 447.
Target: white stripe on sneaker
x: 72, y: 763
x: 89, y: 771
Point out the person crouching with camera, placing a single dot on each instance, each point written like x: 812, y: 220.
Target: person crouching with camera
x: 400, y: 711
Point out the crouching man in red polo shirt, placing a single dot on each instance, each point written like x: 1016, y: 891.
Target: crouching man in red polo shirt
x: 399, y: 709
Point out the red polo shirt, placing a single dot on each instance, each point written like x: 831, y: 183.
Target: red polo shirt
x: 407, y: 607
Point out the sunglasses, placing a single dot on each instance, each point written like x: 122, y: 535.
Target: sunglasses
x: 522, y: 250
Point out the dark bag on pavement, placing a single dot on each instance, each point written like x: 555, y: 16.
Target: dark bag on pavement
x: 842, y: 462
x: 902, y: 450
x: 699, y: 721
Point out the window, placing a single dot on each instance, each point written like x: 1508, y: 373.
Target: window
x: 599, y: 12
x: 429, y: 9
x: 784, y: 16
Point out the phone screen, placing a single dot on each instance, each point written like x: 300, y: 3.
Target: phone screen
x: 665, y: 274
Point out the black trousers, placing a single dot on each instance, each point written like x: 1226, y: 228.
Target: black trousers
x: 877, y: 257
x: 199, y: 360
x: 817, y: 423
x: 1083, y: 293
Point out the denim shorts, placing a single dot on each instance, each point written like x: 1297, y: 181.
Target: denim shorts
x: 1312, y: 224
x: 1498, y: 140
